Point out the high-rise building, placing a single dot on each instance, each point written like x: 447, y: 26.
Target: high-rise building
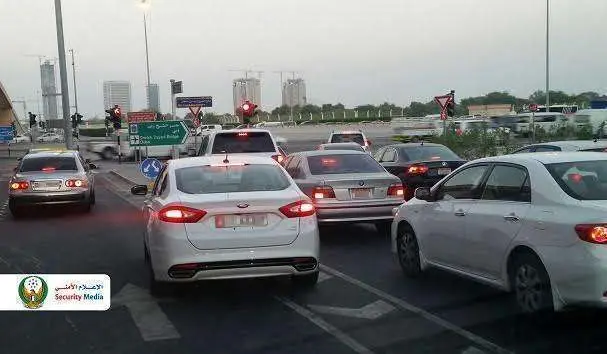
x: 246, y: 89
x: 49, y: 91
x: 117, y: 93
x: 294, y: 93
x: 154, y: 98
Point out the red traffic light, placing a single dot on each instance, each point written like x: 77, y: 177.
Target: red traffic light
x: 117, y: 112
x: 248, y: 108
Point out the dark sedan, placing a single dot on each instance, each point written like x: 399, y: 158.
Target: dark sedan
x: 418, y: 164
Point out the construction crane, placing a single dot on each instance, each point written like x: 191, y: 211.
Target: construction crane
x: 248, y: 71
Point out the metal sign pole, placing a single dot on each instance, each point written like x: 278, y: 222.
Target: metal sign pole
x: 533, y: 127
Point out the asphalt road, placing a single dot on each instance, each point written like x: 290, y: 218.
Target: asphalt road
x: 362, y: 305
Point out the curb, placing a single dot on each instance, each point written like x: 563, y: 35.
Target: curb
x: 122, y: 177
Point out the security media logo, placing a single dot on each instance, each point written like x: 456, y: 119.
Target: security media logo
x: 33, y: 291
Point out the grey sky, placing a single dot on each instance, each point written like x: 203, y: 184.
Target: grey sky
x: 349, y: 51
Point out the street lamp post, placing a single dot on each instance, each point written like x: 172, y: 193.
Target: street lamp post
x: 65, y: 98
x: 145, y: 5
x: 547, y: 55
x: 75, y: 90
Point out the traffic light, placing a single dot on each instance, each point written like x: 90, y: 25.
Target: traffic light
x: 76, y: 120
x: 451, y: 105
x: 247, y: 110
x: 32, y: 119
x: 115, y: 116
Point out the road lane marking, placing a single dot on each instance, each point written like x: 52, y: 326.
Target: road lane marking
x: 473, y: 350
x: 418, y: 311
x: 325, y: 326
x: 152, y: 322
x: 322, y: 276
x: 371, y: 311
x: 4, y: 209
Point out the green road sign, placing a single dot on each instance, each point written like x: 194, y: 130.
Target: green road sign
x: 168, y: 132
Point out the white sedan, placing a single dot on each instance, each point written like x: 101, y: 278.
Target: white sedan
x: 221, y: 217
x: 50, y: 138
x: 534, y: 224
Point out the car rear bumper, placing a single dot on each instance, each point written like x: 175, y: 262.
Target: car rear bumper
x: 358, y: 213
x: 48, y: 198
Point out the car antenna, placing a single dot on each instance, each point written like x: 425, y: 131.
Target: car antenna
x: 422, y: 143
x: 226, y: 151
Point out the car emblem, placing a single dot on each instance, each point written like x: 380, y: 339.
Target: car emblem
x: 242, y: 205
x: 361, y: 183
x: 444, y: 163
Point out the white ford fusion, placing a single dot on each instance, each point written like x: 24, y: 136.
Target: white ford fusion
x: 222, y: 217
x: 534, y: 224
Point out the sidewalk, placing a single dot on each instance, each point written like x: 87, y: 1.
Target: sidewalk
x: 128, y: 172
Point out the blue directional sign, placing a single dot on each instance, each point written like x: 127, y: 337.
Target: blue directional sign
x: 6, y: 133
x: 200, y: 101
x: 150, y: 168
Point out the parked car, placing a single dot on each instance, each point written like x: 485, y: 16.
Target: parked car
x: 227, y: 217
x: 418, y: 164
x: 346, y: 186
x: 533, y: 224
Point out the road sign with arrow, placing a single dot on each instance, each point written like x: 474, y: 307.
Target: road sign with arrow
x: 170, y: 132
x: 150, y: 168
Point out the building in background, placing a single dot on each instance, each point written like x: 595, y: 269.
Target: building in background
x: 246, y: 89
x: 117, y: 93
x: 49, y: 91
x: 491, y: 110
x: 294, y: 93
x: 154, y: 97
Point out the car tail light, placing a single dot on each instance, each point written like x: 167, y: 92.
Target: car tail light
x: 243, y: 134
x: 19, y: 185
x: 593, y: 233
x: 396, y: 190
x: 180, y: 214
x: 417, y: 169
x: 75, y: 183
x: 323, y: 192
x: 279, y: 158
x: 298, y: 209
x: 48, y: 169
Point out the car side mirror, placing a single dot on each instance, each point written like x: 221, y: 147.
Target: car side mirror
x: 423, y: 193
x: 140, y: 189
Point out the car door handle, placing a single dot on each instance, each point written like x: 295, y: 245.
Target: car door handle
x: 460, y: 213
x: 512, y: 218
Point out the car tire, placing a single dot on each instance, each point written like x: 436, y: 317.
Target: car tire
x: 157, y: 288
x: 107, y: 153
x: 407, y: 249
x: 306, y: 281
x: 16, y: 211
x: 92, y: 197
x: 384, y: 228
x: 531, y: 285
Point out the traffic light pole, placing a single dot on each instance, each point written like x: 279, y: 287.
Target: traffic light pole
x: 75, y: 92
x: 65, y: 98
x: 174, y: 113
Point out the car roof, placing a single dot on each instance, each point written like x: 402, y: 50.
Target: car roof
x: 547, y: 157
x: 50, y: 153
x: 330, y: 152
x: 218, y: 159
x: 353, y: 131
x: 245, y: 130
x: 580, y: 144
x: 408, y: 145
x: 351, y: 143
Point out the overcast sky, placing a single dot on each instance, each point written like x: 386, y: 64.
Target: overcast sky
x: 349, y: 51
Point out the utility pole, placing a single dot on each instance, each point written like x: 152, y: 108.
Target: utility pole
x: 75, y: 91
x: 65, y: 98
x: 547, y: 55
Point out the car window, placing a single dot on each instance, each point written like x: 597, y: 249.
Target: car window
x: 343, y: 163
x: 49, y: 164
x: 603, y: 149
x: 230, y: 179
x: 523, y: 150
x: 389, y: 155
x: 464, y: 184
x: 582, y: 180
x: 507, y: 183
x: 348, y: 138
x: 428, y: 153
x: 158, y: 181
x: 204, y: 145
x: 379, y: 153
x: 545, y: 148
x: 354, y: 147
x: 243, y: 142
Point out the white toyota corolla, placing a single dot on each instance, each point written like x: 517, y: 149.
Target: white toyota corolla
x: 534, y: 224
x: 222, y: 217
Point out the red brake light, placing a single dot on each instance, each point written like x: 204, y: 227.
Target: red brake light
x: 328, y: 162
x: 417, y: 169
x: 323, y: 193
x: 396, y: 190
x: 243, y: 134
x: 48, y: 169
x: 75, y: 183
x: 298, y: 209
x: 180, y: 214
x: 593, y: 233
x: 19, y: 185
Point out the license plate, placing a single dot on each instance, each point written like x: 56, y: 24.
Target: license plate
x: 46, y: 185
x: 444, y: 171
x: 241, y: 220
x: 360, y: 193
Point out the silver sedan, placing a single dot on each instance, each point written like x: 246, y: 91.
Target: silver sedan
x: 347, y: 186
x: 51, y: 177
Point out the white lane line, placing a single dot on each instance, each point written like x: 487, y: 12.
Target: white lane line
x: 322, y: 276
x: 418, y: 311
x: 371, y: 311
x: 325, y: 326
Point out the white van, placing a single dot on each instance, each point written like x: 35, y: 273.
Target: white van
x: 594, y: 117
x: 546, y: 121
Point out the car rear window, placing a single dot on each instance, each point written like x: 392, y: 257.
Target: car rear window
x: 343, y: 147
x: 230, y: 179
x: 428, y: 153
x: 348, y: 138
x: 48, y: 164
x: 582, y: 180
x: 346, y: 163
x: 243, y: 142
